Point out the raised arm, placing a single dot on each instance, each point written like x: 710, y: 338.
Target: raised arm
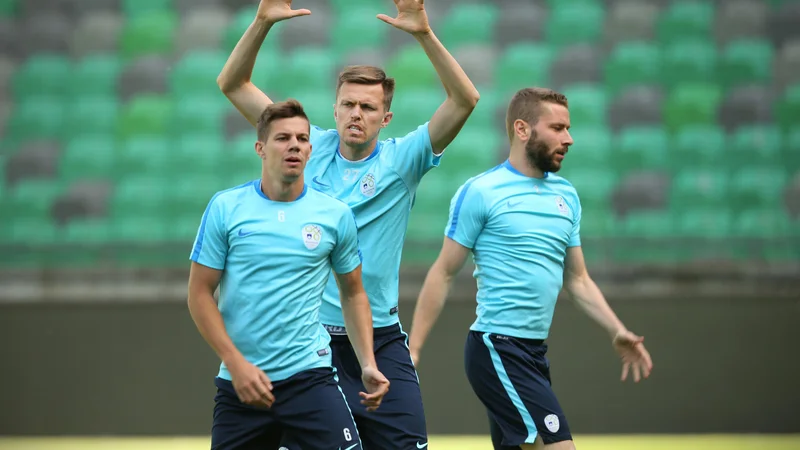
x: 434, y: 293
x: 234, y: 80
x: 462, y: 96
x: 583, y: 290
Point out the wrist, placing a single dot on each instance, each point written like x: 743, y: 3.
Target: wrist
x: 232, y: 359
x: 264, y: 21
x: 426, y: 33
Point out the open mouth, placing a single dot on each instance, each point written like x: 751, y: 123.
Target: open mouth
x: 293, y: 159
x: 355, y: 129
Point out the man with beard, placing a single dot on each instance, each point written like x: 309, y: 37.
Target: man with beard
x: 522, y: 224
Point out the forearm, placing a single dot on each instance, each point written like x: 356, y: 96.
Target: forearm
x: 239, y: 68
x: 358, y: 321
x: 208, y: 320
x: 587, y: 295
x: 429, y: 305
x: 457, y: 85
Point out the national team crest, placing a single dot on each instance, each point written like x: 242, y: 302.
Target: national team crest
x: 367, y: 185
x: 562, y: 205
x: 312, y: 236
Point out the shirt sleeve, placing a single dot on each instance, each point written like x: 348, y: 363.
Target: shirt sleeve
x: 346, y: 255
x: 413, y: 155
x: 211, y: 244
x: 575, y: 236
x: 467, y: 216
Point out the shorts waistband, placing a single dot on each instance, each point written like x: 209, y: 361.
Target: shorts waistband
x: 376, y: 332
x: 526, y: 341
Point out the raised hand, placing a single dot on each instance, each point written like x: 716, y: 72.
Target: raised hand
x: 376, y: 386
x: 273, y: 11
x: 411, y: 17
x: 635, y: 357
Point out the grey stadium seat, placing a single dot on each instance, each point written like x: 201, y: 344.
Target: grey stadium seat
x: 787, y: 64
x: 639, y: 105
x: 746, y: 105
x: 631, y: 20
x: 741, y: 19
x: 576, y: 64
x: 313, y: 30
x: 641, y: 190
x: 202, y: 29
x: 145, y: 74
x: 7, y: 69
x: 97, y: 32
x: 792, y: 197
x: 520, y: 21
x: 187, y: 7
x: 235, y: 124
x: 783, y: 23
x: 364, y: 57
x: 478, y: 62
x: 5, y: 113
x: 83, y: 199
x: 34, y: 159
x: 45, y: 32
x: 10, y: 42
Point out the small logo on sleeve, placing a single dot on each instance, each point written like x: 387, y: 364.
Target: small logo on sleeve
x: 312, y: 236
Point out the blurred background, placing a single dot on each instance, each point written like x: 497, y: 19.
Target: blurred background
x: 686, y: 121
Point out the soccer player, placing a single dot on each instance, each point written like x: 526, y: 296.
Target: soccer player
x: 522, y: 224
x: 378, y: 179
x: 270, y: 245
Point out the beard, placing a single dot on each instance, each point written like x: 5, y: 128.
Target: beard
x: 540, y: 156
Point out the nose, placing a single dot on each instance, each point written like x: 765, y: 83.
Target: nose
x: 567, y: 141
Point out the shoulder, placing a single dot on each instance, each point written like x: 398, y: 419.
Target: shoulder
x: 327, y: 204
x: 324, y: 138
x: 562, y: 186
x: 482, y: 186
x: 232, y: 196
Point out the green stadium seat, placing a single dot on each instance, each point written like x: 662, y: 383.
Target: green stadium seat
x: 372, y: 32
x: 139, y: 229
x: 87, y: 231
x: 703, y: 145
x: 32, y: 231
x: 135, y: 8
x: 766, y: 234
x: 146, y: 114
x: 788, y: 108
x: 705, y: 234
x: 90, y: 157
x: 411, y: 109
x: 307, y: 68
x: 318, y: 105
x: 521, y: 65
x: 471, y: 23
x: 594, y: 186
x: 598, y: 222
x: 645, y: 237
x: 642, y: 147
x: 690, y: 105
x: 197, y: 152
x: 42, y: 75
x: 411, y: 69
x: 36, y: 118
x: 686, y: 19
x: 196, y: 73
x: 184, y: 228
x: 8, y: 8
x: 34, y: 197
x: 592, y: 148
x: 472, y: 152
x: 758, y: 187
x: 239, y: 24
x: 699, y: 187
x: 95, y: 75
x: 200, y: 114
x: 754, y: 143
x: 791, y: 153
x: 575, y: 23
x: 587, y: 104
x: 689, y: 62
x: 632, y: 63
x: 139, y: 195
x: 190, y: 194
x: 240, y: 160
x: 747, y: 61
x: 146, y: 155
x: 148, y: 33
x: 92, y: 115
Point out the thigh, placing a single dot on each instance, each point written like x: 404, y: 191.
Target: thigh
x: 239, y: 426
x: 315, y: 416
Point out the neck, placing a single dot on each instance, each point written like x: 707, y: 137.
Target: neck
x: 519, y: 161
x: 280, y: 190
x: 357, y: 153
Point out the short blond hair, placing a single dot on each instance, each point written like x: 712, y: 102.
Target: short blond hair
x: 526, y: 105
x: 369, y: 75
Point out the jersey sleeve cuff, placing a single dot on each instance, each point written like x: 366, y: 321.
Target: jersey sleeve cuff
x: 209, y: 264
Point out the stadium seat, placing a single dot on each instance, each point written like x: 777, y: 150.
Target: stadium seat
x: 576, y: 64
x: 146, y: 154
x: 692, y: 104
x: 318, y: 104
x: 34, y: 197
x: 693, y: 61
x: 594, y: 186
x: 308, y: 31
x: 787, y: 66
x: 306, y: 68
x: 753, y: 143
x: 92, y: 115
x: 575, y: 23
x: 44, y: 32
x: 411, y: 69
x: 187, y: 7
x: 686, y: 19
x: 151, y: 32
x: 36, y: 117
x: 630, y: 20
x: 412, y: 109
x: 33, y: 159
x: 788, y: 108
x: 472, y: 152
x: 783, y: 22
x: 644, y: 147
x: 706, y: 233
x: 240, y: 161
x: 646, y: 238
x: 522, y: 65
x: 8, y: 7
x: 202, y: 28
x: 703, y: 145
x: 196, y: 73
x: 136, y: 8
x: 746, y: 62
x: 144, y: 75
x: 7, y: 69
x: 139, y: 196
x: 199, y: 114
x: 190, y: 194
x: 699, y: 187
x: 739, y: 19
x: 758, y: 187
x: 791, y: 150
x: 42, y: 75
x: 87, y: 231
x: 519, y: 22
x: 470, y: 23
x: 138, y: 230
x: 9, y: 38
x: 632, y: 63
x: 587, y: 104
x: 95, y: 75
x: 33, y: 231
x: 637, y: 106
x: 241, y: 20
x: 764, y: 234
x: 478, y: 61
x: 197, y: 152
x: 362, y: 22
x: 746, y: 105
x: 592, y: 149
x: 97, y: 33
x: 89, y: 157
x: 147, y: 115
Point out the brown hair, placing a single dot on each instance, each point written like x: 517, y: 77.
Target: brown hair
x: 369, y: 75
x: 276, y: 111
x: 526, y: 105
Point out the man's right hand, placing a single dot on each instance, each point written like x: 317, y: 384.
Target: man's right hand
x: 252, y: 385
x: 273, y: 11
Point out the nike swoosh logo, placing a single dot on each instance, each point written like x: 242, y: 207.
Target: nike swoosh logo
x: 422, y: 445
x: 513, y: 204
x: 316, y: 181
x: 243, y: 233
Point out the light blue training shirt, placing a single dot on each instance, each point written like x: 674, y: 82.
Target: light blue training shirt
x: 275, y: 259
x: 518, y: 229
x: 380, y: 189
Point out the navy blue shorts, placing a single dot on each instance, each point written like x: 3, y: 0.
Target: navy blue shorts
x: 309, y: 413
x: 511, y: 377
x: 399, y: 423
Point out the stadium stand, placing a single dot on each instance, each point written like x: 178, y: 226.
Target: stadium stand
x: 685, y: 113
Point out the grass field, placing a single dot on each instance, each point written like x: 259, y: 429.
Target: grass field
x: 645, y: 442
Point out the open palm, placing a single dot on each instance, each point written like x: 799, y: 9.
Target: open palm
x: 411, y: 16
x: 277, y: 10
x: 635, y: 358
